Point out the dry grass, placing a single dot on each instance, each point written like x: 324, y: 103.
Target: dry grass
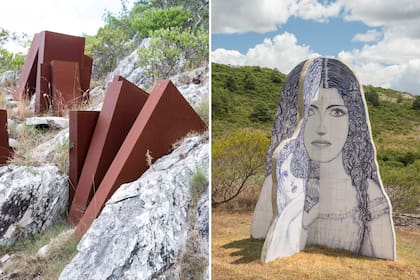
x: 26, y: 264
x: 236, y: 256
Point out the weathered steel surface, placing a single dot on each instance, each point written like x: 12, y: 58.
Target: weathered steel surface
x: 4, y: 138
x: 165, y: 118
x: 82, y: 124
x: 25, y: 86
x: 122, y: 104
x: 36, y: 77
x: 65, y: 89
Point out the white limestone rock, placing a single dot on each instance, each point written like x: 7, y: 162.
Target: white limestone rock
x: 129, y: 69
x: 31, y: 200
x: 142, y: 230
x: 8, y: 77
x: 47, y: 152
x: 48, y: 122
x: 194, y: 93
x: 202, y: 221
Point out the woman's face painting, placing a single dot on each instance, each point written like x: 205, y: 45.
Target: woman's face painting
x: 327, y: 126
x: 290, y: 184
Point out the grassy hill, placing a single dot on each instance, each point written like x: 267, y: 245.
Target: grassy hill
x: 247, y: 97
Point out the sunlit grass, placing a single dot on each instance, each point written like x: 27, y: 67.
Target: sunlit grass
x: 236, y: 256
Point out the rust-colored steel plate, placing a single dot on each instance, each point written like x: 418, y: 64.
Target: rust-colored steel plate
x: 4, y: 138
x: 65, y: 85
x: 36, y: 74
x: 85, y: 74
x: 26, y: 83
x: 122, y: 104
x: 82, y: 124
x: 165, y: 118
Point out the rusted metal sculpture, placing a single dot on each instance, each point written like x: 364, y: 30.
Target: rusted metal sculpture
x: 4, y: 138
x: 121, y: 106
x: 164, y: 118
x: 56, y: 71
x: 82, y: 126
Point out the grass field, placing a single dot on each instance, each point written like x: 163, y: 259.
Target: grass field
x: 236, y: 256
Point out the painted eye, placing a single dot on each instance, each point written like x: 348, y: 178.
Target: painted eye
x: 311, y: 112
x: 285, y: 174
x: 338, y: 112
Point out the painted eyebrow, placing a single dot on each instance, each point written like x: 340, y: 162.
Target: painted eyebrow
x: 314, y: 106
x: 332, y: 106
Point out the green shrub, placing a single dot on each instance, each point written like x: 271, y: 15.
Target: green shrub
x: 372, y: 97
x: 261, y: 113
x: 231, y: 84
x: 236, y: 158
x: 416, y: 103
x: 173, y: 50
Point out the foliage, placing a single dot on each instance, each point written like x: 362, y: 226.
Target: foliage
x: 222, y: 103
x: 276, y: 76
x: 249, y: 82
x: 9, y: 60
x: 154, y: 19
x: 416, y: 103
x: 123, y: 32
x: 231, y: 84
x: 198, y: 8
x: 199, y: 182
x: 110, y: 44
x: 236, y: 158
x: 173, y: 50
x: 261, y: 113
x: 233, y: 108
x: 372, y: 97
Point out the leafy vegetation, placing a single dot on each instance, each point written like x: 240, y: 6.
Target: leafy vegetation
x: 159, y: 20
x: 236, y: 158
x: 394, y: 119
x: 9, y: 60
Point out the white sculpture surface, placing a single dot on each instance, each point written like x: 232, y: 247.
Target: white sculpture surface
x: 325, y: 183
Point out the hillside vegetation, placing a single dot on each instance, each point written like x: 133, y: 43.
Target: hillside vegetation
x: 247, y: 98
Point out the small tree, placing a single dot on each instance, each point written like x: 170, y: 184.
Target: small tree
x: 231, y: 84
x: 372, y: 97
x: 249, y: 81
x: 173, y: 50
x: 235, y: 159
x: 275, y: 76
x: 261, y: 113
x: 416, y: 103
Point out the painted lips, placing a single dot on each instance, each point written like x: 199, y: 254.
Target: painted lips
x: 321, y: 143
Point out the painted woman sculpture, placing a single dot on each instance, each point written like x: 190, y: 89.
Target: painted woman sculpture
x: 322, y: 142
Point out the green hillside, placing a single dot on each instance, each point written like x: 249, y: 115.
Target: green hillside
x: 247, y: 97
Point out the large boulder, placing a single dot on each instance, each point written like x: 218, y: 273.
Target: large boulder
x: 31, y: 200
x: 143, y: 228
x: 128, y: 68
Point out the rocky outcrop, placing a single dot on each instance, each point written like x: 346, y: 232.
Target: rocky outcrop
x: 194, y: 84
x: 129, y: 69
x: 8, y: 77
x: 48, y: 122
x: 143, y: 228
x: 31, y: 200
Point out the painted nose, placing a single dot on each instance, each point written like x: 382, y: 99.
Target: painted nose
x: 321, y: 129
